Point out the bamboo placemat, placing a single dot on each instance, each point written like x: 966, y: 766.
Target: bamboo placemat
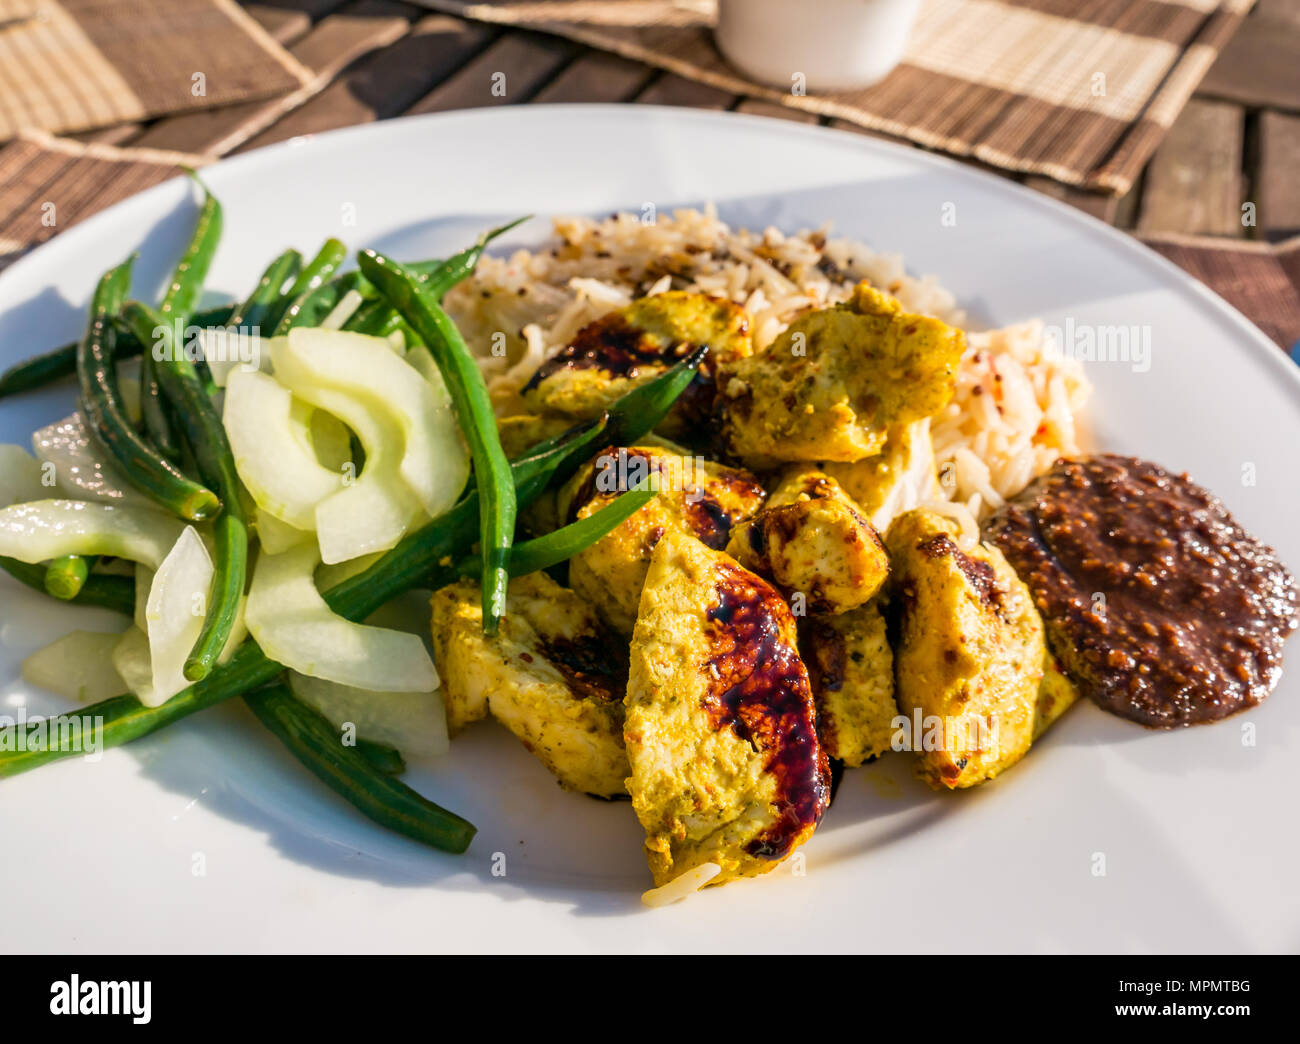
x: 48, y: 184
x: 72, y: 65
x: 1078, y: 90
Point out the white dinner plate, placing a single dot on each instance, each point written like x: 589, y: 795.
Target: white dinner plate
x: 208, y: 837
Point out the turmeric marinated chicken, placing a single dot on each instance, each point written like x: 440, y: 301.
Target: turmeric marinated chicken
x: 901, y: 477
x: 851, y: 668
x: 551, y: 674
x: 970, y: 654
x: 726, y: 766
x: 636, y: 343
x: 813, y: 543
x: 831, y: 385
x: 696, y: 497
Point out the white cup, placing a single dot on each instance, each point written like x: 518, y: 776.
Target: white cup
x: 832, y: 44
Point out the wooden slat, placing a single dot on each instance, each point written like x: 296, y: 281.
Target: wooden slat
x: 671, y: 89
x: 596, y: 76
x: 339, y: 40
x: 386, y: 81
x: 1194, y: 182
x: 285, y: 24
x: 1260, y: 65
x: 1277, y: 184
x: 512, y: 70
x: 1098, y: 204
x: 763, y: 107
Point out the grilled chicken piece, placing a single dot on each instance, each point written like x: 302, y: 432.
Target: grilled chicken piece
x: 525, y: 430
x: 852, y: 672
x: 832, y: 384
x: 551, y: 674
x: 720, y: 732
x: 970, y: 653
x: 636, y: 343
x: 697, y: 497
x: 812, y: 540
x: 902, y: 477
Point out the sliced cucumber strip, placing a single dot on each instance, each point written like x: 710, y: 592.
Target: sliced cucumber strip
x: 372, y: 511
x: 276, y: 536
x: 413, y: 722
x: 289, y: 619
x: 77, y: 666
x: 272, y: 446
x: 435, y: 461
x: 46, y: 529
x: 81, y: 468
x: 175, y: 612
x: 20, y: 476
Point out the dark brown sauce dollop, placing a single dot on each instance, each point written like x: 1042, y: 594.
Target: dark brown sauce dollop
x: 1161, y: 608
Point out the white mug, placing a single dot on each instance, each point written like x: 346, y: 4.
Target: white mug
x: 821, y: 44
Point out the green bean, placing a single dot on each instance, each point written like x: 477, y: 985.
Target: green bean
x: 58, y: 363
x: 124, y: 718
x: 440, y: 276
x: 101, y: 403
x: 206, y: 437
x: 469, y: 396
x: 382, y: 757
x: 268, y: 294
x: 375, y: 318
x: 66, y: 576
x: 182, y: 294
x: 312, y: 306
x: 379, y: 319
x: 648, y: 400
x: 317, y: 273
x: 100, y: 590
x: 157, y: 426
x: 532, y: 556
x: 344, y: 770
x: 407, y: 565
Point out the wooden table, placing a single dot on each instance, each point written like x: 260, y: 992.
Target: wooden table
x: 1228, y: 168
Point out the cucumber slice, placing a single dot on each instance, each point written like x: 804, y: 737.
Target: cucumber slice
x: 77, y: 666
x: 413, y: 722
x: 175, y: 612
x: 46, y: 529
x: 81, y: 468
x: 131, y: 661
x: 374, y: 510
x: 143, y: 582
x: 289, y: 619
x: 276, y: 536
x: 272, y: 446
x: 330, y: 438
x: 20, y: 476
x: 435, y: 462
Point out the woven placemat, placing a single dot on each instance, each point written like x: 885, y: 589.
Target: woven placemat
x: 1081, y: 91
x: 1260, y: 280
x: 48, y: 184
x: 73, y: 65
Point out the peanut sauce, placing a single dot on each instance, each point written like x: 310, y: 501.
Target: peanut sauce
x: 1160, y: 607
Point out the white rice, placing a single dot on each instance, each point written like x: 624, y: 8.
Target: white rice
x: 1017, y: 400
